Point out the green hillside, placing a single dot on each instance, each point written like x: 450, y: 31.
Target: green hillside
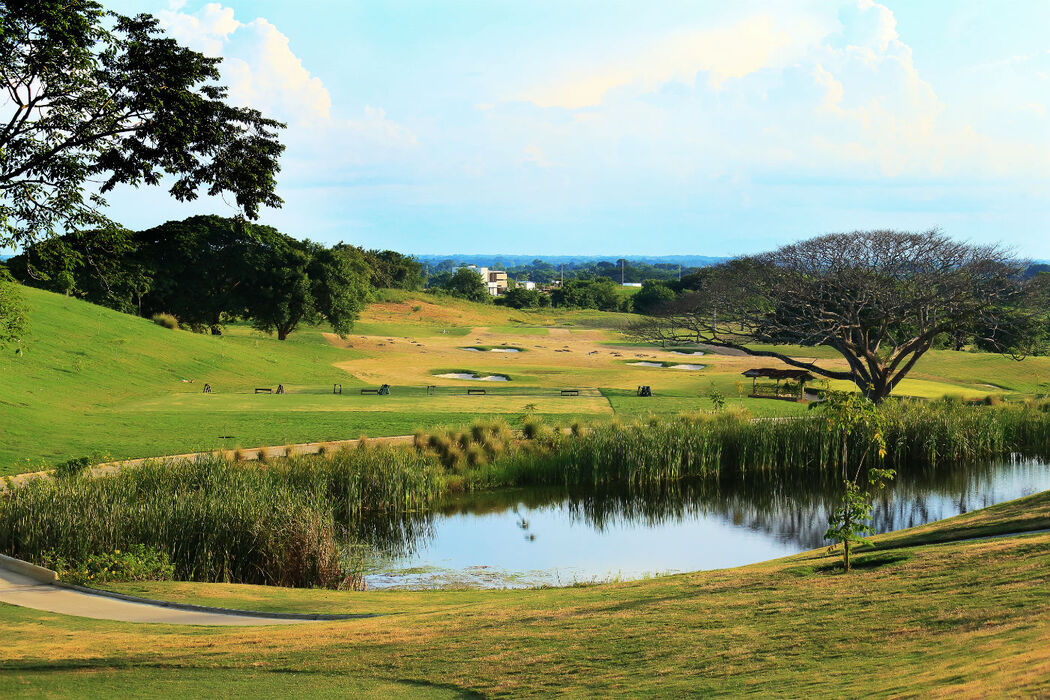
x: 80, y: 386
x: 96, y: 382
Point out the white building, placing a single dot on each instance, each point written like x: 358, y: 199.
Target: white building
x: 525, y: 284
x: 495, y: 280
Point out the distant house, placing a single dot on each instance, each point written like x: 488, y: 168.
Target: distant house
x: 631, y: 284
x: 525, y: 284
x: 495, y: 280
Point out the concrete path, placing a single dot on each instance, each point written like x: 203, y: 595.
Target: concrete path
x: 29, y: 591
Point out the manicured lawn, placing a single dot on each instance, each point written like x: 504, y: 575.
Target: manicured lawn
x: 957, y: 618
x: 96, y: 382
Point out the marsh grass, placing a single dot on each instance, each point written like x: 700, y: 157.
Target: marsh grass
x: 728, y: 443
x: 303, y: 520
x: 292, y: 522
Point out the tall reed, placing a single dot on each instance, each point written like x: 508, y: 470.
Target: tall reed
x: 291, y: 522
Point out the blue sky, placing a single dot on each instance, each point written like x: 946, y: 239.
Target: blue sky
x: 602, y: 127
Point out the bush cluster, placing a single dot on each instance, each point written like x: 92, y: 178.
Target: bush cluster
x: 137, y: 563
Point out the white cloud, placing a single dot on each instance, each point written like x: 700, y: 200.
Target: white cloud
x: 262, y: 71
x: 774, y: 93
x: 534, y: 156
x: 726, y: 52
x: 259, y: 66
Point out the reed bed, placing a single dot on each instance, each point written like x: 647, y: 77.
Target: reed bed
x: 292, y: 522
x: 301, y: 520
x: 727, y: 444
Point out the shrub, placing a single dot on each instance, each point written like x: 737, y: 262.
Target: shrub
x: 532, y: 428
x: 166, y: 320
x: 137, y: 563
x: 479, y: 431
x: 73, y: 466
x: 476, y: 456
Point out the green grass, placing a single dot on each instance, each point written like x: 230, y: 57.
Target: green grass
x: 96, y: 382
x: 957, y: 618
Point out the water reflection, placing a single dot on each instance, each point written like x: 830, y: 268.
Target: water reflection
x: 560, y: 535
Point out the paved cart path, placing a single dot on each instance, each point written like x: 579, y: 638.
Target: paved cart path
x: 28, y: 591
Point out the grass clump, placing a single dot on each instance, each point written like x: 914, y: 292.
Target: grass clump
x: 166, y: 321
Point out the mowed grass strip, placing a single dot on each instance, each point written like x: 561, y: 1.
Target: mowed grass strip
x: 962, y: 618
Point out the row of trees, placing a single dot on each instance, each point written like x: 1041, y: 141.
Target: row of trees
x: 599, y: 293
x: 543, y: 272
x: 207, y: 270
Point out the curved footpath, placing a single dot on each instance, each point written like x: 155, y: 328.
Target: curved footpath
x: 30, y: 586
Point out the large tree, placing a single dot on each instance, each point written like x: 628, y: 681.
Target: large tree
x: 13, y: 323
x: 466, y: 283
x: 293, y: 282
x: 96, y: 99
x: 881, y: 299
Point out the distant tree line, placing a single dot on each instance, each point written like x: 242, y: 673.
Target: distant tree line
x: 208, y: 270
x: 542, y: 272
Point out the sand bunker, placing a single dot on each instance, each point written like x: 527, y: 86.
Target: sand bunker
x: 475, y: 377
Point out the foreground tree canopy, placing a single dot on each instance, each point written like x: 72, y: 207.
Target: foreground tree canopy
x: 96, y: 99
x: 881, y: 299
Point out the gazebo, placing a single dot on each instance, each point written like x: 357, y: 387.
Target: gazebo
x: 799, y: 375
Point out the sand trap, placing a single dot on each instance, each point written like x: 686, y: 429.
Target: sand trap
x: 686, y: 367
x: 504, y: 350
x: 646, y: 364
x: 475, y: 377
x: 472, y: 349
x: 689, y: 352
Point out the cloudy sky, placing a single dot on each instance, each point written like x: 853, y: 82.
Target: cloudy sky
x: 641, y: 127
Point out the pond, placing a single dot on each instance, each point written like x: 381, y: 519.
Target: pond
x: 528, y: 537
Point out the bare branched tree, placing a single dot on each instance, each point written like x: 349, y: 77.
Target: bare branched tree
x: 880, y: 299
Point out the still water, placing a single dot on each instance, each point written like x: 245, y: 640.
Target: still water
x: 527, y: 537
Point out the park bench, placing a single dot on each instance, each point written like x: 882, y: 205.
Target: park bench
x: 645, y: 391
x: 475, y: 392
x: 570, y: 392
x: 431, y: 389
x: 337, y: 388
x: 370, y: 391
x: 264, y: 390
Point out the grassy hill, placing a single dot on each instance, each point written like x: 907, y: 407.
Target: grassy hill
x: 955, y: 618
x: 93, y: 381
x: 74, y: 389
x: 96, y: 382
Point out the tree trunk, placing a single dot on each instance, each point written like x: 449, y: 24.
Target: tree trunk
x: 845, y: 558
x: 877, y: 391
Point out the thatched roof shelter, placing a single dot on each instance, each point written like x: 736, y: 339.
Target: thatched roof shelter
x: 799, y: 375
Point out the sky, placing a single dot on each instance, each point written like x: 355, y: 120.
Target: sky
x: 646, y: 127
